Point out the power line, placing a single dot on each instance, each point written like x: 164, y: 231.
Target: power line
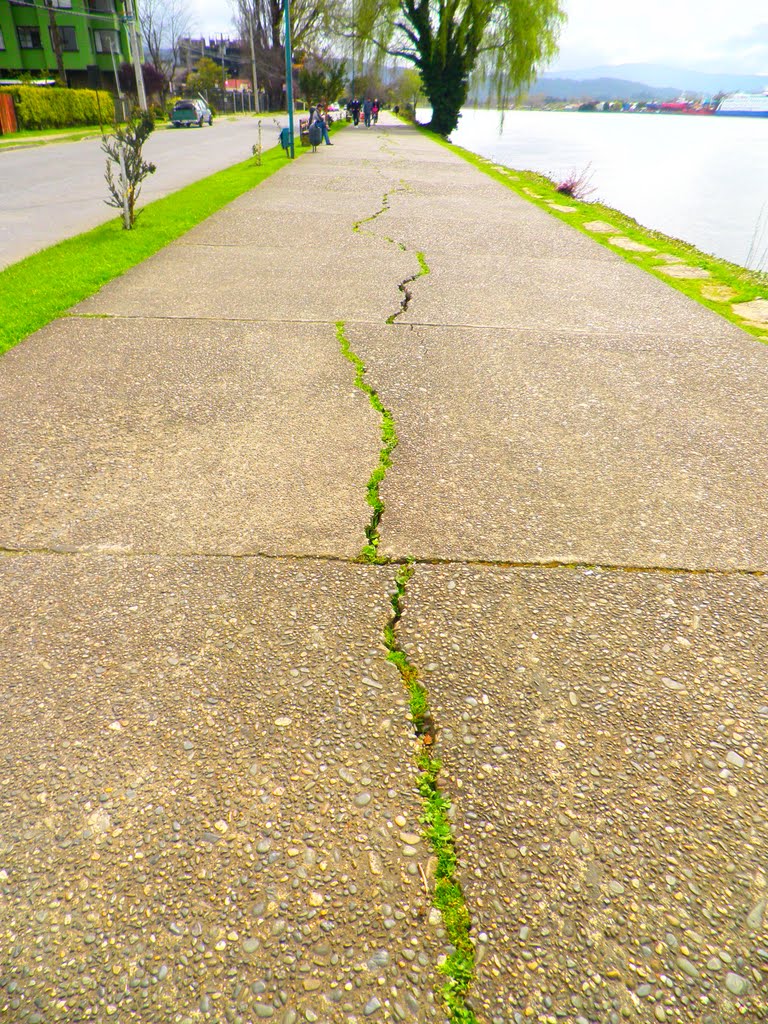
x: 114, y: 16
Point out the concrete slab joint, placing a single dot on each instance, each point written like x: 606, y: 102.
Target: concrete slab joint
x: 496, y: 753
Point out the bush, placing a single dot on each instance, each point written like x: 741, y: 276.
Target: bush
x: 38, y: 108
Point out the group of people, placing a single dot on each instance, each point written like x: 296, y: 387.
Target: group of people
x: 370, y: 110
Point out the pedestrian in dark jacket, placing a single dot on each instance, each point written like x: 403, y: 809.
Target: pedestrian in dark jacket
x: 354, y: 108
x: 317, y: 116
x: 367, y: 107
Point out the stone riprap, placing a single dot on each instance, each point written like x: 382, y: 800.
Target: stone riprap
x: 210, y: 809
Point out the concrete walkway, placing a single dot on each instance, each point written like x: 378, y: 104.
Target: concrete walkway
x: 209, y: 806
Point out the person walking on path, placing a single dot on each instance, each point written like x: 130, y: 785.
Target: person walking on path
x: 367, y: 107
x: 317, y: 116
x: 375, y: 111
x: 354, y: 109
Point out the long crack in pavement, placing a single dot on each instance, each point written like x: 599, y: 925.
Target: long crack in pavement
x: 511, y: 784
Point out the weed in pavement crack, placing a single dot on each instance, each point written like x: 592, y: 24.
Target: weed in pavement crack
x: 459, y: 966
x: 403, y: 286
x: 369, y: 552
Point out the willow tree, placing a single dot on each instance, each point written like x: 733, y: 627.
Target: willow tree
x: 450, y: 40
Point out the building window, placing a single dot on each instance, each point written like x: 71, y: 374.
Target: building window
x: 2, y: 41
x: 105, y: 40
x: 64, y: 5
x: 29, y: 38
x: 68, y: 38
x: 102, y: 6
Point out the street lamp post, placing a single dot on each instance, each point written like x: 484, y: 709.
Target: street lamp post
x: 289, y: 75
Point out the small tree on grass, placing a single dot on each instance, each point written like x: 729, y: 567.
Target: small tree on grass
x: 123, y: 148
x: 207, y: 76
x: 322, y: 81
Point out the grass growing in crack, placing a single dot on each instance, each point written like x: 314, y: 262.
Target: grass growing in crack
x: 370, y: 551
x: 358, y: 225
x: 403, y: 286
x: 459, y: 966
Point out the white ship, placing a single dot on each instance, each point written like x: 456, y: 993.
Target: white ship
x: 744, y: 104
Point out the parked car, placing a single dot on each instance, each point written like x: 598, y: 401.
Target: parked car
x: 188, y: 112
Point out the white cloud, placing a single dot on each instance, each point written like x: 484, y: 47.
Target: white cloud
x: 679, y: 32
x: 684, y: 33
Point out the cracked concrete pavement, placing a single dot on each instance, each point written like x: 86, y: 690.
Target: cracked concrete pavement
x: 209, y: 806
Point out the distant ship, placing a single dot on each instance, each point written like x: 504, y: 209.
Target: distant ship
x: 744, y: 104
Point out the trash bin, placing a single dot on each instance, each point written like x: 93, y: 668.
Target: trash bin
x: 315, y: 135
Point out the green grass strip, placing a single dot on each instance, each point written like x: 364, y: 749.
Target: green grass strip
x: 44, y: 286
x: 740, y: 284
x: 459, y: 966
x: 369, y: 552
x: 46, y: 136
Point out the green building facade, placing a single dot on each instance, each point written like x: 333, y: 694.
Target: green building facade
x: 88, y: 30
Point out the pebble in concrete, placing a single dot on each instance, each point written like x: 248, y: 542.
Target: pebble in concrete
x: 149, y: 881
x: 605, y: 849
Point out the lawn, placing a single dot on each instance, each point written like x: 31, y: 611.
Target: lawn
x: 45, y: 285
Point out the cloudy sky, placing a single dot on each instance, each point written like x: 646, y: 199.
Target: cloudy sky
x: 704, y: 35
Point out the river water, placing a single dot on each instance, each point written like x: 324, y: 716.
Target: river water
x: 701, y: 179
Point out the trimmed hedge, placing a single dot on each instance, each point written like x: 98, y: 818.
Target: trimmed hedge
x: 59, y: 108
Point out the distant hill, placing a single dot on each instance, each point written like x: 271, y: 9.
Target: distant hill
x: 657, y: 76
x: 571, y: 89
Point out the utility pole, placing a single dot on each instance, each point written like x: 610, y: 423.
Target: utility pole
x: 254, y: 83
x: 56, y: 42
x: 289, y: 75
x: 133, y: 40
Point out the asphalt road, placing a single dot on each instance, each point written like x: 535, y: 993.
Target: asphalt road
x: 49, y: 193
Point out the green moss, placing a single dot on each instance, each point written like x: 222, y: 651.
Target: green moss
x: 745, y: 284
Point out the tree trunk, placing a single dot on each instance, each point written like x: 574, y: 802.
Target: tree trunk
x: 56, y: 44
x: 446, y: 86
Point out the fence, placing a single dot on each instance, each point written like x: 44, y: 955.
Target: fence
x: 7, y: 115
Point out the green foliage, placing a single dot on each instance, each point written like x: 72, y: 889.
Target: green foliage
x: 55, y: 279
x: 408, y: 88
x: 38, y: 108
x: 322, y: 81
x: 448, y: 40
x: 126, y: 169
x: 206, y: 76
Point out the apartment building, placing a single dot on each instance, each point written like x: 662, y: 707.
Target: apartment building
x: 91, y: 33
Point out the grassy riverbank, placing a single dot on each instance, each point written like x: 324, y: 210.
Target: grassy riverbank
x: 715, y: 283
